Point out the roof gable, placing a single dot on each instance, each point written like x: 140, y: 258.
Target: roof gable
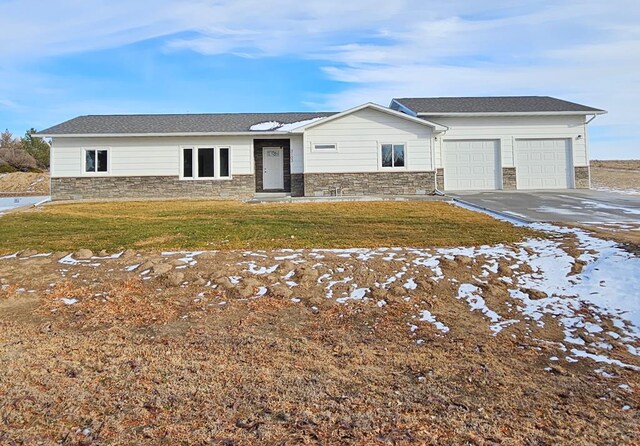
x: 379, y: 108
x: 490, y: 105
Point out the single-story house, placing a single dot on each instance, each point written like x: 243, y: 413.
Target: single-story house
x: 414, y: 147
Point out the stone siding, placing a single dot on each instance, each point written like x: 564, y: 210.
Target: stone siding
x: 77, y: 188
x: 581, y: 177
x: 297, y: 185
x: 373, y: 183
x: 509, y: 178
x: 440, y: 179
x: 258, y: 145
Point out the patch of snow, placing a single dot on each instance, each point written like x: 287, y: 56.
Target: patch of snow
x: 265, y: 126
x: 471, y: 294
x: 410, y: 285
x: 426, y: 316
x: 69, y: 301
x: 280, y: 127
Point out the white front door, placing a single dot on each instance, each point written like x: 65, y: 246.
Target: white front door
x: 471, y: 165
x: 543, y: 163
x: 272, y: 168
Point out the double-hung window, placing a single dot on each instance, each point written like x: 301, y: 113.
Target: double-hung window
x: 96, y: 160
x: 392, y: 155
x: 205, y: 163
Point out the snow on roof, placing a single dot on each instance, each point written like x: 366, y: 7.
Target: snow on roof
x: 276, y: 126
x: 264, y: 126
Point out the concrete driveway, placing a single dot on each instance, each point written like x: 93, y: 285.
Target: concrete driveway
x: 567, y: 206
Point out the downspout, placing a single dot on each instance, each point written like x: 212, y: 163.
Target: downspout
x: 436, y: 191
x: 590, y: 119
x: 586, y: 149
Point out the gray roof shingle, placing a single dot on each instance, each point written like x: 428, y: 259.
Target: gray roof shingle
x: 174, y: 123
x: 495, y: 104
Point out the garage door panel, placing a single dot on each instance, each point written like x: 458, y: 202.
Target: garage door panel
x: 471, y: 165
x: 543, y: 163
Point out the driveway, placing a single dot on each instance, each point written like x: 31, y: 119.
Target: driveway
x: 567, y: 206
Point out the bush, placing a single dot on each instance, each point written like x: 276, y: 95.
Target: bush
x: 17, y: 158
x: 6, y: 168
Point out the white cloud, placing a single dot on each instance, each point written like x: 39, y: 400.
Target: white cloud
x: 582, y: 50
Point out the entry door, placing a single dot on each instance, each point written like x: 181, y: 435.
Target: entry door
x: 272, y: 168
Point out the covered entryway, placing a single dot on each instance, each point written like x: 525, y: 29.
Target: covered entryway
x: 471, y: 164
x: 272, y: 159
x: 543, y: 163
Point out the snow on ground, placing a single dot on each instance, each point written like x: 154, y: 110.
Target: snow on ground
x: 595, y: 305
x: 618, y: 191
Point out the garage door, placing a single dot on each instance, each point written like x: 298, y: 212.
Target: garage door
x: 543, y: 163
x: 471, y: 165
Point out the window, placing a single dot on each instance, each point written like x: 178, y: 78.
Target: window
x: 205, y: 163
x: 187, y: 163
x: 224, y: 162
x: 325, y: 147
x: 95, y: 160
x: 392, y: 155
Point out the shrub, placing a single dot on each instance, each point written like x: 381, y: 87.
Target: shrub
x: 6, y: 168
x: 17, y: 158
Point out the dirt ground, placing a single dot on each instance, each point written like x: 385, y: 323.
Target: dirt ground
x: 282, y: 347
x: 21, y: 183
x: 622, y: 176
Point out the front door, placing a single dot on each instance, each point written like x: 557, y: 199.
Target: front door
x: 272, y: 168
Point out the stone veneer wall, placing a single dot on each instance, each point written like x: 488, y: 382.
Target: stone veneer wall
x: 258, y: 145
x: 77, y: 188
x: 581, y: 177
x: 509, y: 178
x: 373, y: 183
x: 297, y: 185
x: 440, y: 179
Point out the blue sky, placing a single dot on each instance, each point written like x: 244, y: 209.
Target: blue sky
x: 72, y: 57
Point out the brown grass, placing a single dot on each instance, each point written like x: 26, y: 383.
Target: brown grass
x: 235, y: 225
x: 144, y: 362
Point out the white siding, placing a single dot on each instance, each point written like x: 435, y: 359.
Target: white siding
x: 297, y: 154
x: 358, y: 136
x: 508, y: 129
x: 145, y: 156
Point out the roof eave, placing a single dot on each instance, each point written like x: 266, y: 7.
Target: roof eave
x: 540, y: 113
x: 121, y: 135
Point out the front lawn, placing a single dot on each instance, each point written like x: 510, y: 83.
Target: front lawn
x: 235, y: 225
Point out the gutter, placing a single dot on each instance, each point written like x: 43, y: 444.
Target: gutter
x: 469, y: 114
x: 122, y: 135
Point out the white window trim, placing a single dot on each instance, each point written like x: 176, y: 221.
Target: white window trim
x: 216, y: 163
x: 84, y: 161
x: 314, y: 144
x: 406, y: 156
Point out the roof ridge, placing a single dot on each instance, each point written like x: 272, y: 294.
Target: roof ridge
x: 208, y: 114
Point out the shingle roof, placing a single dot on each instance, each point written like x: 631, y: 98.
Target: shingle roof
x: 187, y: 123
x: 496, y: 104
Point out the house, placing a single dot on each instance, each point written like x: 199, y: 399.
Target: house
x: 413, y: 147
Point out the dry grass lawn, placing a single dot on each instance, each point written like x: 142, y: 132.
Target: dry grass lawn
x: 22, y: 183
x: 235, y: 225
x: 203, y: 361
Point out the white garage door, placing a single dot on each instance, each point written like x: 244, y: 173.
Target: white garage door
x: 543, y: 163
x: 471, y: 165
